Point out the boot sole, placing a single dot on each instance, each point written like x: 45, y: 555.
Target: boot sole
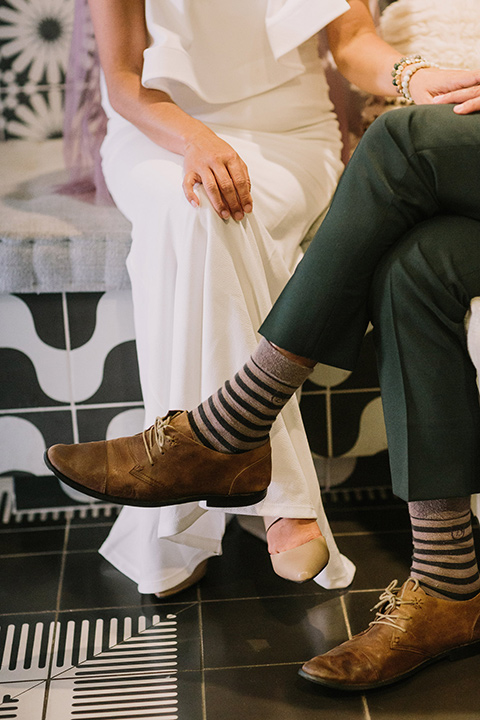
x: 214, y: 501
x: 458, y: 653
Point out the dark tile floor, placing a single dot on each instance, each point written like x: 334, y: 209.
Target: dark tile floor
x: 78, y: 642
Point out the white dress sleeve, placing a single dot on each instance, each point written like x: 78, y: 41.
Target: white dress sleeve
x: 228, y: 51
x: 290, y: 22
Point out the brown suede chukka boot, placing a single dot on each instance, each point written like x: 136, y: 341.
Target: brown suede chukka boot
x: 164, y: 465
x: 411, y: 630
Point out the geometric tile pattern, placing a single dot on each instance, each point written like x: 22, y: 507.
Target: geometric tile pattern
x: 342, y: 410
x: 22, y: 700
x: 100, y: 668
x: 69, y: 372
x: 26, y: 650
x: 229, y: 647
x: 121, y: 664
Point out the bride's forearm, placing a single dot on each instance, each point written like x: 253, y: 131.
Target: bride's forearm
x: 360, y: 54
x: 152, y: 111
x: 122, y: 37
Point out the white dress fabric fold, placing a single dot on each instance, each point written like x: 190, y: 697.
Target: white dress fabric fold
x: 225, y: 52
x: 201, y: 288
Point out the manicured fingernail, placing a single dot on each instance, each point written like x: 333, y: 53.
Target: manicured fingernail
x: 248, y: 208
x: 225, y: 214
x: 194, y: 203
x: 238, y: 216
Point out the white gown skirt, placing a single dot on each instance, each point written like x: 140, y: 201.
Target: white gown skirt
x: 201, y: 288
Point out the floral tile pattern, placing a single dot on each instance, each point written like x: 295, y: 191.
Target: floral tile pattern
x: 35, y: 40
x: 34, y: 48
x: 35, y: 115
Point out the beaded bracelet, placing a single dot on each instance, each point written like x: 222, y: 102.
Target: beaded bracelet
x: 407, y: 76
x: 400, y: 66
x: 402, y: 76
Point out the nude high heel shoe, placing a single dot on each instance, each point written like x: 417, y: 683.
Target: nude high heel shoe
x: 300, y: 563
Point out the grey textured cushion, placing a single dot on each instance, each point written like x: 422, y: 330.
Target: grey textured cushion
x: 51, y: 242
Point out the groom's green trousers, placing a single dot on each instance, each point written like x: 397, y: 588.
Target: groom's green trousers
x: 400, y: 246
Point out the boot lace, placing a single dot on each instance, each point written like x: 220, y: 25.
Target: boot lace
x: 388, y: 612
x: 155, y: 435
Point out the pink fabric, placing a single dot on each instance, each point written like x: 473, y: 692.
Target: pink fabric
x: 85, y: 122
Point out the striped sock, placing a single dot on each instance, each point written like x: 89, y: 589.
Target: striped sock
x: 239, y: 416
x: 444, y: 559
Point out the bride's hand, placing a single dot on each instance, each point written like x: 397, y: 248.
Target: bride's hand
x: 215, y: 164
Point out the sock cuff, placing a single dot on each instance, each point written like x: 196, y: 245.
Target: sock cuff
x: 445, y: 509
x: 273, y: 363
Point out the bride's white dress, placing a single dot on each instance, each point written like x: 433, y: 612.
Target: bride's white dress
x: 202, y: 286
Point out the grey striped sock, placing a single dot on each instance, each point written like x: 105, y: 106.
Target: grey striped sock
x: 240, y: 415
x: 444, y: 559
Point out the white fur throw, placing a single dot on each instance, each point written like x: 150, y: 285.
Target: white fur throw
x: 444, y: 31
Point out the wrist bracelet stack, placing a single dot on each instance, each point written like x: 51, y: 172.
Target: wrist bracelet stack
x: 402, y: 76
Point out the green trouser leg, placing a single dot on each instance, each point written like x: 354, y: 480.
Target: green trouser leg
x: 412, y: 164
x: 420, y: 293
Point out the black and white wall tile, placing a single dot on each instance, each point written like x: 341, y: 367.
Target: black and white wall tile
x: 68, y: 373
x: 34, y: 47
x: 343, y: 416
x: 68, y: 370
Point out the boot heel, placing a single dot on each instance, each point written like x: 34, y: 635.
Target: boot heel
x: 238, y: 500
x: 465, y: 651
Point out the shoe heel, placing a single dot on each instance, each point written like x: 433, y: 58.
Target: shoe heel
x: 223, y: 501
x: 464, y: 652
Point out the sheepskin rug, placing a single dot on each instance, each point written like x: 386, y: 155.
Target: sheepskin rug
x: 446, y: 32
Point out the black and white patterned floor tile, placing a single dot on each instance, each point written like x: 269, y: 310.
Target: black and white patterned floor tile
x: 22, y: 700
x: 117, y: 665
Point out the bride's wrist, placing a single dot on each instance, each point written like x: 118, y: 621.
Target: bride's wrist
x: 403, y: 72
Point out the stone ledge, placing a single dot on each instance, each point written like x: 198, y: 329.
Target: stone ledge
x: 51, y: 242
